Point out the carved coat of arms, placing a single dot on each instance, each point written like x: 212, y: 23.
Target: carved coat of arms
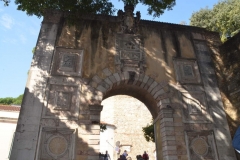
x: 129, y: 22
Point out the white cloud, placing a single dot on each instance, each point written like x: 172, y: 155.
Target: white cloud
x: 23, y: 39
x: 6, y: 21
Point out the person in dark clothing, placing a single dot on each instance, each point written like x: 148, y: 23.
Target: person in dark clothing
x: 125, y: 154
x: 145, y: 156
x: 122, y: 157
x: 107, y: 156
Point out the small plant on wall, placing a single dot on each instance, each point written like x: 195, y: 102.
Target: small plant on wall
x: 149, y: 132
x: 103, y: 127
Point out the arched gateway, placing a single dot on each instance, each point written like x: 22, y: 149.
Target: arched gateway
x: 166, y: 66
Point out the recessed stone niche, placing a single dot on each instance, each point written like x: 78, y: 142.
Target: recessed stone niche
x: 68, y: 62
x: 195, y: 108
x: 186, y: 71
x: 62, y: 102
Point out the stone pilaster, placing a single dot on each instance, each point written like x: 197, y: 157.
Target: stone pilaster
x: 28, y: 128
x: 167, y: 134
x: 214, y: 100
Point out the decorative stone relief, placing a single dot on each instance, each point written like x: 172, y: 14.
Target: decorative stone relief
x: 201, y: 145
x: 67, y: 62
x: 62, y: 102
x: 57, y: 143
x: 130, y: 54
x: 129, y: 22
x: 186, y: 71
x: 195, y: 108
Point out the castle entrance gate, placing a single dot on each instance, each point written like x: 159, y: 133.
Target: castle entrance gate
x: 166, y: 66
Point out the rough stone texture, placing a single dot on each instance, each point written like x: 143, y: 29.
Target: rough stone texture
x: 128, y: 115
x: 103, y: 75
x: 31, y: 109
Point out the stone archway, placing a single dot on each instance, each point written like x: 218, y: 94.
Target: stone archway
x: 140, y: 86
x: 148, y: 91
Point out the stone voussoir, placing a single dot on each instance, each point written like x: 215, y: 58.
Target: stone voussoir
x: 144, y: 81
x: 148, y: 84
x: 107, y: 72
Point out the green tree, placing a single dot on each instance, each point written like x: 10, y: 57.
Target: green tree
x: 10, y: 100
x: 37, y: 7
x: 7, y: 100
x: 224, y: 18
x: 18, y: 100
x: 148, y: 132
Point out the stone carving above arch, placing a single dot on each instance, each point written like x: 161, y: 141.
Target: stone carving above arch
x: 129, y: 23
x: 130, y: 53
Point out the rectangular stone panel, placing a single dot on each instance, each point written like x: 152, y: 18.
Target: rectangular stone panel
x: 201, y: 145
x: 130, y: 53
x: 67, y: 61
x: 187, y: 71
x: 195, y: 108
x: 62, y: 102
x: 57, y: 143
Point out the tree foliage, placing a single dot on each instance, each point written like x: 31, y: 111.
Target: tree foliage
x: 37, y: 7
x: 149, y: 132
x: 224, y: 18
x: 10, y: 100
x: 103, y: 127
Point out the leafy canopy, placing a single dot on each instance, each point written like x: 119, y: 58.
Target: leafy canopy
x: 10, y: 100
x: 224, y: 18
x: 37, y: 7
x: 148, y: 132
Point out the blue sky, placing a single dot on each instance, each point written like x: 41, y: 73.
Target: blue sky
x: 19, y: 33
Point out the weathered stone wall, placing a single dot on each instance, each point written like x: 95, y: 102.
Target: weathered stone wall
x: 227, y: 64
x: 230, y: 86
x: 128, y: 115
x: 167, y: 67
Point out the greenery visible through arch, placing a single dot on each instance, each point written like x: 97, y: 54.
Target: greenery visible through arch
x: 149, y: 132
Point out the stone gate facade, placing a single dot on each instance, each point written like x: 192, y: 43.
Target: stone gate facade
x: 168, y: 67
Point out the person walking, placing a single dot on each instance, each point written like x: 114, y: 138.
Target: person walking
x: 125, y: 154
x: 107, y: 156
x: 145, y: 156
